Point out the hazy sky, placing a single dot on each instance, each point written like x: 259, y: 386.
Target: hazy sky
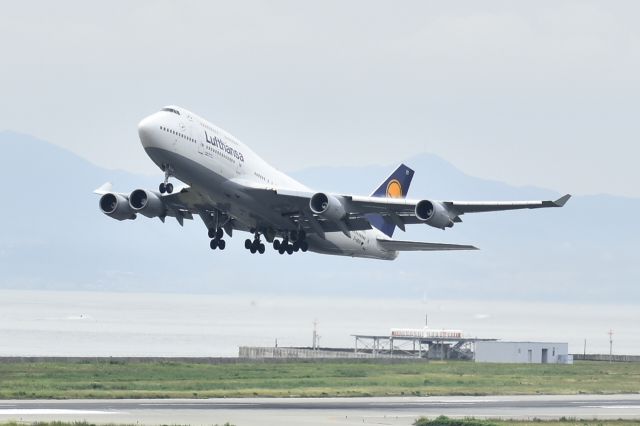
x: 540, y: 93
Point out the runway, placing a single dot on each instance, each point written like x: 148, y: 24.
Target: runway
x: 320, y: 411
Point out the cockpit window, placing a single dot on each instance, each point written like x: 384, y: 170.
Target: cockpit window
x: 175, y: 111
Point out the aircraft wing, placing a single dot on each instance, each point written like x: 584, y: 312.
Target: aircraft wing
x: 419, y: 246
x: 491, y: 206
x: 385, y: 206
x: 285, y: 209
x: 399, y: 211
x: 294, y: 207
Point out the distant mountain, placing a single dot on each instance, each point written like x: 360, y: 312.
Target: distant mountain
x: 53, y: 236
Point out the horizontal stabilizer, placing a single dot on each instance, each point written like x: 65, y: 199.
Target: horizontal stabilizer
x: 419, y: 246
x: 105, y: 188
x: 560, y: 202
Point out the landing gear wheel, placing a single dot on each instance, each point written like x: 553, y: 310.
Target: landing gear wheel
x: 212, y: 233
x: 247, y: 244
x: 213, y: 244
x: 276, y: 244
x: 281, y: 250
x: 289, y: 249
x: 162, y: 188
x: 252, y: 249
x: 296, y: 246
x: 304, y: 246
x: 169, y: 188
x: 261, y: 248
x: 221, y: 244
x: 219, y: 234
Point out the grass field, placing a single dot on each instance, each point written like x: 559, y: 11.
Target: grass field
x: 444, y: 421
x: 441, y: 421
x: 82, y: 423
x: 116, y: 379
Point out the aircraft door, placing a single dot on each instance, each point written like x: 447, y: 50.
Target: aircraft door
x: 192, y: 138
x: 180, y: 140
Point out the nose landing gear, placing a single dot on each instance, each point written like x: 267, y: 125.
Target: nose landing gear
x: 166, y: 186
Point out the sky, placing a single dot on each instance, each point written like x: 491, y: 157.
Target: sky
x: 540, y: 93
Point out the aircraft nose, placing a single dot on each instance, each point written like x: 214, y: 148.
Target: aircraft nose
x: 145, y: 131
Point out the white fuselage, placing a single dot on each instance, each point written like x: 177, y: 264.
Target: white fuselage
x: 219, y: 166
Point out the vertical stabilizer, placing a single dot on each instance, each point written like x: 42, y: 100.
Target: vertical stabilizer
x: 395, y: 186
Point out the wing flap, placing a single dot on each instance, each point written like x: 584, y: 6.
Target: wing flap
x: 308, y: 222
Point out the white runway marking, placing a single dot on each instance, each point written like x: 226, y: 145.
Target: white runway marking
x: 48, y: 411
x: 613, y: 407
x: 186, y: 404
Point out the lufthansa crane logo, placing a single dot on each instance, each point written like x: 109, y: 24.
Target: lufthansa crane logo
x: 394, y: 189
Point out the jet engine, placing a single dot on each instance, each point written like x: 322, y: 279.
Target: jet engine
x: 327, y: 206
x: 116, y: 206
x: 434, y: 214
x: 147, y: 203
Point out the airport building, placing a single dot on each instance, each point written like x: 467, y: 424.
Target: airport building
x: 423, y: 343
x: 523, y: 352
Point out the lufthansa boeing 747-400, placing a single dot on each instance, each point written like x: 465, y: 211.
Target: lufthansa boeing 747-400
x: 232, y: 189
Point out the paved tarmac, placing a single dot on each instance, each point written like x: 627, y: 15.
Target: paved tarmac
x: 320, y: 411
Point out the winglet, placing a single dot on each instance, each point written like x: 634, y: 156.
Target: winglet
x: 106, y: 187
x: 560, y: 202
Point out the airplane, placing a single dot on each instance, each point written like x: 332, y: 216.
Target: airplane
x: 232, y: 189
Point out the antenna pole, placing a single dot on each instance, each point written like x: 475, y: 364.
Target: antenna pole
x: 315, y: 334
x: 610, y: 345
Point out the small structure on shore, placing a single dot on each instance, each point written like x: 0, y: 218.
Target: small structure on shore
x: 422, y: 342
x: 523, y: 352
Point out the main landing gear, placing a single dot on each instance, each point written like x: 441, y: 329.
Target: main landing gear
x: 254, y: 246
x: 299, y: 243
x: 166, y: 186
x: 216, y: 235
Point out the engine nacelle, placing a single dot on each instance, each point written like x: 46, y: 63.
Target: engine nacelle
x: 327, y: 206
x: 116, y: 206
x: 434, y: 214
x: 147, y: 203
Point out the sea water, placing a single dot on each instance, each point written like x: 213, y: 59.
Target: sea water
x: 49, y: 323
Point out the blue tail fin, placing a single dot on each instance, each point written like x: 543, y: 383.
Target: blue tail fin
x: 395, y: 186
